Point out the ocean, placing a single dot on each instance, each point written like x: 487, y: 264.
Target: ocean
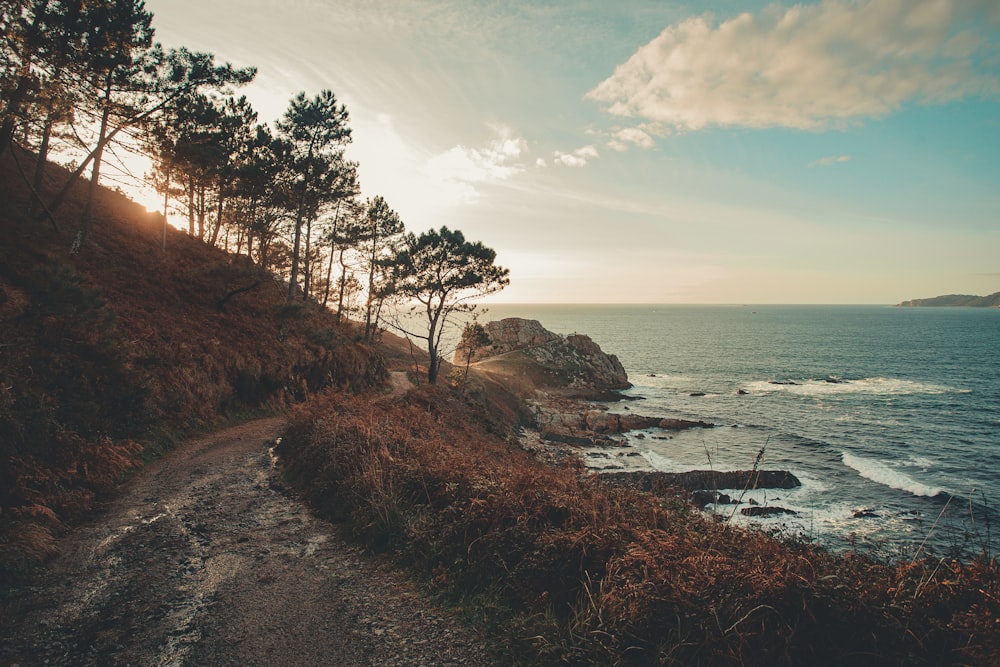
x: 889, y: 416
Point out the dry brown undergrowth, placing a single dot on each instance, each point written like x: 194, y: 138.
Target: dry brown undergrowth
x: 570, y: 571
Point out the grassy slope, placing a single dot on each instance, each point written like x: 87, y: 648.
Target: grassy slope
x: 564, y: 570
x: 123, y: 347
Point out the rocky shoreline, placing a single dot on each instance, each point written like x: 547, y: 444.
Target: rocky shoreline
x: 568, y: 382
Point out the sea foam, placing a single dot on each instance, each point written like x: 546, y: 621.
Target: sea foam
x: 879, y: 472
x: 662, y: 463
x: 876, y: 386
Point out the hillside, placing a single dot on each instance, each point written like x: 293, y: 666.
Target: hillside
x: 110, y: 355
x: 956, y: 300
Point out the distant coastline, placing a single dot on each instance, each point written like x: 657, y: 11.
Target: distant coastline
x: 956, y: 301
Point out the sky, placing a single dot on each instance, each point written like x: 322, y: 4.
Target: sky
x: 648, y: 151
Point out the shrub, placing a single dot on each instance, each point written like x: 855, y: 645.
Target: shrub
x: 565, y: 570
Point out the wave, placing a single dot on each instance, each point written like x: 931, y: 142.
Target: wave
x: 880, y: 473
x: 661, y: 463
x: 876, y: 386
x: 660, y: 380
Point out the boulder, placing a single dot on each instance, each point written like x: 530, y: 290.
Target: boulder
x: 703, y: 498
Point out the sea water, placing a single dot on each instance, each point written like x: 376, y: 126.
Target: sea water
x: 889, y: 416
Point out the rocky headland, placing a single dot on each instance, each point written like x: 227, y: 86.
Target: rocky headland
x: 536, y: 362
x: 955, y: 301
x: 569, y: 383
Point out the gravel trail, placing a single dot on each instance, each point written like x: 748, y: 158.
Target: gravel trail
x: 204, y: 560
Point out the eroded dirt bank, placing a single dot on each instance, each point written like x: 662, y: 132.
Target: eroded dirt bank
x: 203, y: 560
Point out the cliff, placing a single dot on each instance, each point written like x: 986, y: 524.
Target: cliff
x: 956, y: 300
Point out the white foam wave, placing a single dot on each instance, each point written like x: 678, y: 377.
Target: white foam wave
x: 662, y: 463
x: 660, y: 380
x: 877, y: 386
x: 881, y: 473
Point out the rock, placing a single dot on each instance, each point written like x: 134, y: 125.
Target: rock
x: 508, y: 335
x: 702, y: 498
x: 866, y: 513
x: 573, y: 362
x: 766, y: 511
x: 682, y: 424
x: 742, y: 392
x: 566, y: 439
x: 694, y: 480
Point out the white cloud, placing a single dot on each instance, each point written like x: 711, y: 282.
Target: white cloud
x: 460, y: 168
x: 577, y: 158
x: 808, y: 66
x: 635, y: 136
x: 832, y: 159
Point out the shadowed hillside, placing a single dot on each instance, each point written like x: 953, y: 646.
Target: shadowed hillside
x: 116, y: 351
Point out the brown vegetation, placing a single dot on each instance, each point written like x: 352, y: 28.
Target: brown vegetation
x: 571, y: 571
x: 126, y: 345
x: 114, y: 349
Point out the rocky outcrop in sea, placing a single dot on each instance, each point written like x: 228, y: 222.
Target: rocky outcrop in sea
x: 573, y: 362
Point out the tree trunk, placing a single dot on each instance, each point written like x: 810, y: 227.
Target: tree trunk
x: 202, y: 211
x: 333, y: 241
x: 218, y: 214
x: 343, y: 285
x: 433, y: 339
x: 166, y: 199
x: 190, y: 194
x: 95, y: 174
x: 371, y: 284
x: 307, y: 267
x: 43, y: 156
x: 300, y: 215
x: 16, y: 99
x: 329, y: 276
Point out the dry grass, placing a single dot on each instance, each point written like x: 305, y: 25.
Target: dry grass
x: 568, y: 571
x: 126, y: 343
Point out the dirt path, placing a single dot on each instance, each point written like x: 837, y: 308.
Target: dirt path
x: 203, y: 560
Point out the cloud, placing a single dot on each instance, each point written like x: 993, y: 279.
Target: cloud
x: 635, y: 136
x: 809, y: 66
x: 460, y: 168
x: 832, y: 159
x: 577, y: 158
